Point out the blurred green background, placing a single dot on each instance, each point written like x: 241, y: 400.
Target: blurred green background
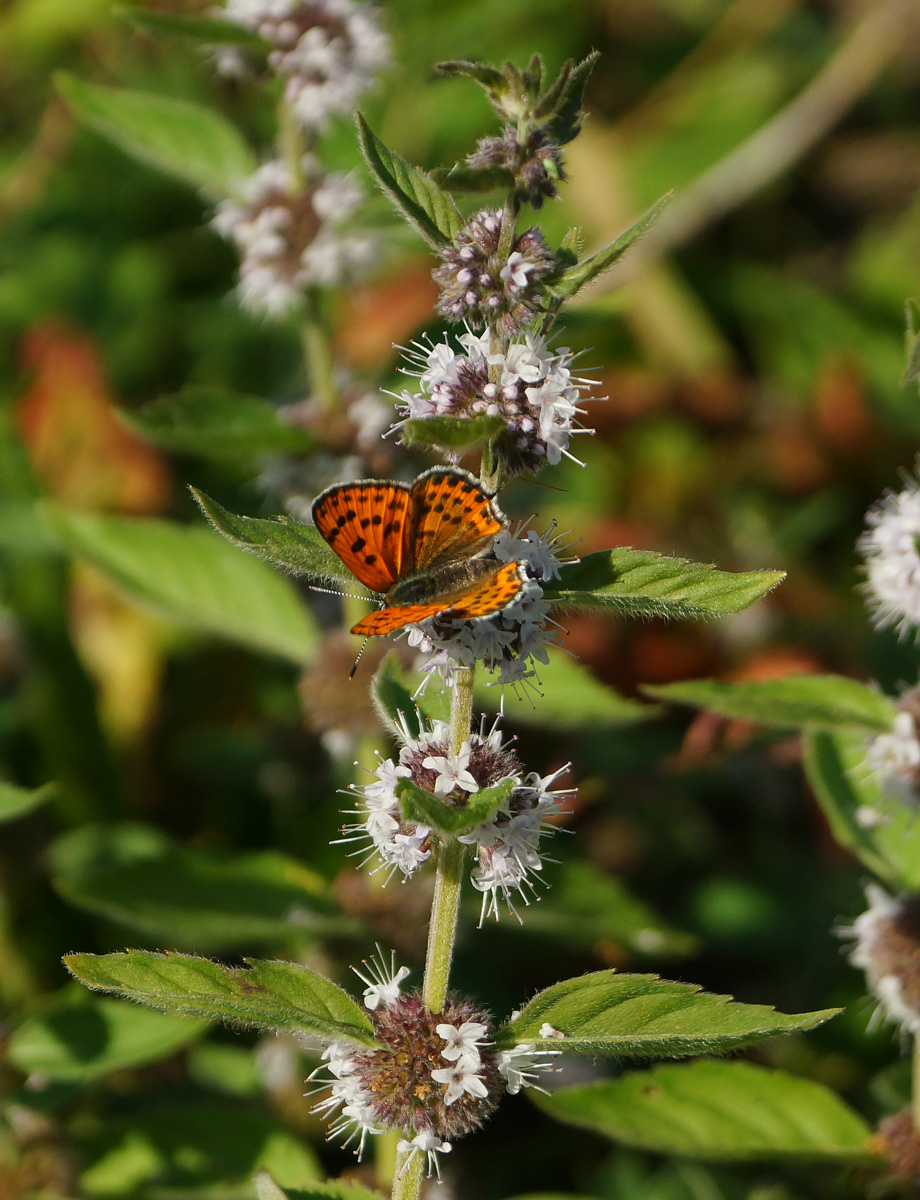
x: 750, y: 353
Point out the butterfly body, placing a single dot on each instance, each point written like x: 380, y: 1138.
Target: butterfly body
x: 424, y: 547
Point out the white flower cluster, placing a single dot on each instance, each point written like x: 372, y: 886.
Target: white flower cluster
x: 345, y: 1092
x: 888, y: 950
x: 328, y: 52
x: 529, y: 386
x: 894, y: 758
x: 288, y: 234
x: 463, y: 1054
x: 889, y: 546
x: 507, y: 847
x: 520, y: 1066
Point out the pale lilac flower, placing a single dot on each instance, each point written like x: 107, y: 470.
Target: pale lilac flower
x: 462, y: 1043
x: 451, y: 771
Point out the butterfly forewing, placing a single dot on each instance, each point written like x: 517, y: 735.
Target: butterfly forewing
x: 366, y: 524
x: 451, y: 518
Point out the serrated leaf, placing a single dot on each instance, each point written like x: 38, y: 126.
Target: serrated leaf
x: 489, y: 77
x: 643, y: 583
x: 77, y: 1037
x: 204, y: 899
x: 587, y: 907
x: 266, y: 994
x: 191, y: 577
x: 881, y: 830
x: 420, y: 806
x: 216, y: 423
x: 718, y: 1111
x: 826, y: 701
x: 280, y: 540
x: 208, y: 30
x: 414, y: 194
x: 912, y: 338
x: 630, y: 1016
x: 18, y: 801
x: 574, y: 278
x: 451, y: 433
x: 332, y: 1189
x: 563, y: 102
x: 187, y: 140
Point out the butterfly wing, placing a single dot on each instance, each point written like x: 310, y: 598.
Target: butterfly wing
x: 451, y: 517
x: 366, y: 524
x: 488, y: 595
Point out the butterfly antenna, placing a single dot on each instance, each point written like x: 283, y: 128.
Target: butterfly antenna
x: 335, y: 592
x: 351, y: 673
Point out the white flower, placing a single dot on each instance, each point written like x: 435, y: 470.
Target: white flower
x: 452, y: 772
x: 462, y: 1043
x: 520, y: 1067
x: 516, y: 269
x: 889, y: 546
x: 888, y: 950
x: 895, y: 756
x: 428, y: 1144
x: 383, y: 984
x: 345, y: 1092
x: 459, y: 1080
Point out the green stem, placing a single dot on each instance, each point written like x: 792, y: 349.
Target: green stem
x: 915, y: 1083
x: 407, y: 1184
x: 317, y: 350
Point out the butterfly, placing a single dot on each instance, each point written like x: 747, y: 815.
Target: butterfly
x: 424, y: 546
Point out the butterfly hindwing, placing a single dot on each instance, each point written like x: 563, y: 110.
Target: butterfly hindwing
x: 365, y: 523
x: 451, y: 517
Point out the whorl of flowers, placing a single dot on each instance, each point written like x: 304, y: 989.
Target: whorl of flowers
x: 288, y: 236
x: 535, y: 163
x: 506, y: 847
x: 894, y: 757
x: 434, y: 1076
x: 529, y: 386
x: 887, y: 948
x: 328, y: 52
x: 481, y: 287
x: 889, y: 546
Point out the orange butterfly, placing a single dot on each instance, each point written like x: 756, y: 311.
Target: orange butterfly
x: 424, y: 546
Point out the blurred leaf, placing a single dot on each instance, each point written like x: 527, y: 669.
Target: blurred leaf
x: 450, y: 433
x: 571, y: 699
x: 191, y: 577
x: 200, y: 29
x: 215, y: 422
x: 912, y: 337
x: 716, y: 1111
x: 201, y: 1148
x: 223, y: 1068
x: 267, y: 995
x: 588, y: 907
x: 77, y: 1037
x: 422, y: 807
x: 16, y: 801
x: 395, y: 702
x: 883, y: 831
x: 414, y: 194
x: 795, y: 700
x: 643, y: 583
x: 188, y: 140
x: 642, y: 1016
x: 280, y: 540
x: 574, y: 278
x: 208, y: 900
x: 333, y: 1189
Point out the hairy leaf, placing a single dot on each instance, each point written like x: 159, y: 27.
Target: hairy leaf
x: 333, y: 1189
x: 419, y: 805
x: 451, y: 433
x: 562, y: 102
x: 266, y: 994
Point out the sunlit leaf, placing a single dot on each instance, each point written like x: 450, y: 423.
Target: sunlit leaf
x: 17, y: 801
x: 184, y: 139
x: 420, y: 806
x: 450, y: 433
x: 214, y: 423
x: 333, y: 1189
x: 266, y: 994
x: 721, y: 1111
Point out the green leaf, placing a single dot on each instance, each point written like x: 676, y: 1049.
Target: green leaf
x: 587, y: 907
x: 266, y: 994
x: 422, y: 807
x: 571, y: 699
x: 17, y: 801
x: 451, y: 433
x: 489, y: 77
x: 176, y: 136
x: 827, y: 701
x: 912, y: 338
x: 643, y: 583
x: 881, y: 830
x: 202, y: 899
x: 629, y: 1016
x: 193, y: 578
x: 461, y: 178
x: 77, y: 1037
x: 414, y: 194
x: 333, y: 1189
x: 280, y: 540
x: 720, y: 1111
x: 216, y: 423
x: 394, y: 699
x: 562, y: 102
x: 200, y: 29
x: 574, y: 278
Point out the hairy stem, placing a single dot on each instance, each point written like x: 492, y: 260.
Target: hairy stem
x: 407, y: 1184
